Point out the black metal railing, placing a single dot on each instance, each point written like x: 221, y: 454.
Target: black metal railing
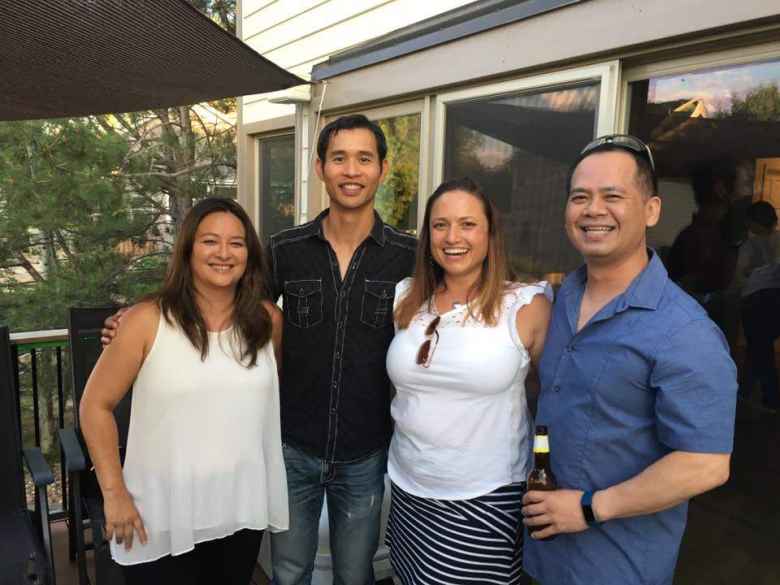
x: 44, y: 402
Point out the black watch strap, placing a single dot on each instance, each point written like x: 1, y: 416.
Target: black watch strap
x: 586, y: 501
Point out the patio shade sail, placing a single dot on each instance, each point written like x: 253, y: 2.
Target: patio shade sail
x: 67, y: 58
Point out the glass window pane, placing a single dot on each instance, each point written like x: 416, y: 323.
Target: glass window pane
x: 715, y: 135
x: 277, y: 183
x: 396, y: 199
x: 519, y: 149
x: 721, y: 122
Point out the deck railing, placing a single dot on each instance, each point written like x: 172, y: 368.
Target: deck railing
x: 44, y: 402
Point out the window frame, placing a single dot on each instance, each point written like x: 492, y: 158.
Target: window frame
x: 258, y: 182
x: 607, y: 73
x: 757, y: 53
x: 691, y: 63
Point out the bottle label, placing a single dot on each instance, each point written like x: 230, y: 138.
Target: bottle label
x: 541, y: 444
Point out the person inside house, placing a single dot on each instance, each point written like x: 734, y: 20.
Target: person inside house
x: 703, y: 257
x: 638, y: 390
x: 203, y: 475
x: 758, y: 277
x: 460, y: 453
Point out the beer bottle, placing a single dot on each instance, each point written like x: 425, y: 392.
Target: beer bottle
x: 541, y: 477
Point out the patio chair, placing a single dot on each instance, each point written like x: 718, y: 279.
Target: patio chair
x: 85, y: 509
x: 25, y: 536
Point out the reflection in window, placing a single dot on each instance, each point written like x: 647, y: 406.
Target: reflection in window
x: 277, y: 180
x: 724, y: 122
x: 396, y: 200
x: 715, y: 135
x: 519, y: 149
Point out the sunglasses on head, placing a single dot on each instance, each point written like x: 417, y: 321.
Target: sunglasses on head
x: 624, y: 141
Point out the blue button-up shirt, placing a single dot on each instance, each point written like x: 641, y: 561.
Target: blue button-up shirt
x: 648, y: 375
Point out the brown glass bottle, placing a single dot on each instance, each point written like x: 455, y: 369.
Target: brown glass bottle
x: 541, y: 477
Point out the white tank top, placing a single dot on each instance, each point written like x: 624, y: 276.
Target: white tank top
x: 462, y: 425
x: 204, y: 453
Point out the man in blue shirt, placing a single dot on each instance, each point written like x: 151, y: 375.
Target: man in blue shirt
x: 639, y: 390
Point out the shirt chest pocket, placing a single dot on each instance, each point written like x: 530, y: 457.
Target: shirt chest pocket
x: 377, y: 306
x: 303, y: 302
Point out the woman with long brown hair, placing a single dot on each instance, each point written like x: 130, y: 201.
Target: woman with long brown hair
x: 203, y: 474
x: 460, y: 452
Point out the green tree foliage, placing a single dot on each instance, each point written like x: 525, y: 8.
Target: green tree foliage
x: 65, y: 212
x: 89, y: 207
x: 760, y: 104
x: 223, y: 12
x: 396, y: 199
x: 65, y: 208
x: 277, y: 159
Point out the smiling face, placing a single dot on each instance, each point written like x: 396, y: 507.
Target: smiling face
x: 460, y: 234
x: 219, y: 252
x: 607, y: 213
x: 352, y: 170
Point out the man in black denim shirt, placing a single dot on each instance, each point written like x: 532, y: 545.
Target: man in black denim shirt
x: 337, y: 276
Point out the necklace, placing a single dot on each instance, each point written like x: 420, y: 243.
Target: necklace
x: 441, y: 297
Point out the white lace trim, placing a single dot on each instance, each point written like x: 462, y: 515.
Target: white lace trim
x: 516, y: 296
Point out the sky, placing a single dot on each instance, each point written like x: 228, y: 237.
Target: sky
x: 714, y: 86
x: 562, y: 100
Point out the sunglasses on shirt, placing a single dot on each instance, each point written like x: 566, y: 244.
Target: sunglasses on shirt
x: 425, y: 353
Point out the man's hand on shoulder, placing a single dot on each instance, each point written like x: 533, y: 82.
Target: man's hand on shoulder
x: 277, y: 321
x: 111, y: 326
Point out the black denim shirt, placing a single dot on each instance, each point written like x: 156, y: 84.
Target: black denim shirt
x: 335, y: 393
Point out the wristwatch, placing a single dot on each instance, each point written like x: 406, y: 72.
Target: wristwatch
x: 587, y: 510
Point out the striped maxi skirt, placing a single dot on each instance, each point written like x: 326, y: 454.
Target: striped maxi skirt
x: 457, y: 542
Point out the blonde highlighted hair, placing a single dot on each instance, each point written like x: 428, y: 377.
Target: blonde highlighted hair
x: 429, y: 276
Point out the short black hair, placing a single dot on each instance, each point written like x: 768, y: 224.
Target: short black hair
x: 646, y: 178
x: 351, y: 122
x: 762, y: 213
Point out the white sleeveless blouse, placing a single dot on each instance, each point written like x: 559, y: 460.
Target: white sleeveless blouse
x: 204, y: 453
x: 462, y: 425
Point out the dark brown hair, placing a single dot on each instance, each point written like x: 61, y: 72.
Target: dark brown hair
x: 428, y: 275
x: 177, y: 297
x: 762, y: 213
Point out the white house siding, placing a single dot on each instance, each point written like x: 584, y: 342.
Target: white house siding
x: 298, y: 34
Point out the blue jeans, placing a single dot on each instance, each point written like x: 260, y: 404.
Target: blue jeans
x: 354, y: 491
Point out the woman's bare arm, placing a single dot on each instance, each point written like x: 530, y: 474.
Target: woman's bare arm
x: 532, y: 321
x: 114, y: 373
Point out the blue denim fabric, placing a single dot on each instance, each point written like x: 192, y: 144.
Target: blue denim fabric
x: 354, y: 490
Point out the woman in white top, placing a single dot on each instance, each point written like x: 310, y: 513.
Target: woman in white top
x: 460, y: 452
x: 203, y: 474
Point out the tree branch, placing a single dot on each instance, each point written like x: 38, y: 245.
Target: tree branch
x: 63, y: 243
x: 191, y: 169
x: 27, y: 265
